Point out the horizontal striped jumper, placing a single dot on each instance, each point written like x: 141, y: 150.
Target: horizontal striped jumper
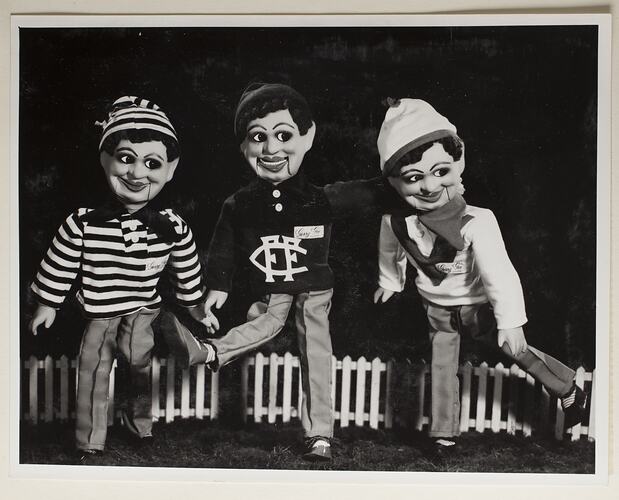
x: 118, y: 264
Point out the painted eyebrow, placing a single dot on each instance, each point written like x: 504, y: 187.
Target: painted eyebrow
x: 126, y: 148
x: 284, y: 123
x: 440, y: 163
x: 156, y: 155
x: 249, y: 129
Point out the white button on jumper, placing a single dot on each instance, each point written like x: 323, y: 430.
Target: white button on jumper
x: 279, y: 207
x: 276, y: 193
x: 133, y: 225
x: 135, y: 238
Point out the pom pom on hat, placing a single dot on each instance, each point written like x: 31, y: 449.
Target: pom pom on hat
x: 131, y: 112
x: 408, y: 124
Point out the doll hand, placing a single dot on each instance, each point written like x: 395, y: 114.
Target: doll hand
x: 44, y: 315
x: 514, y: 337
x: 215, y: 298
x: 382, y: 295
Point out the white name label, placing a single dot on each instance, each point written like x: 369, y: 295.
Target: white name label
x: 309, y: 232
x: 156, y: 264
x: 457, y: 267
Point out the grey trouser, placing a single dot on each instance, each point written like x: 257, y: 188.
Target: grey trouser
x: 446, y: 326
x: 132, y: 336
x: 265, y: 319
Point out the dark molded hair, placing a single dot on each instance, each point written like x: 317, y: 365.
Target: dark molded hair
x: 262, y: 105
x: 453, y: 146
x: 141, y: 135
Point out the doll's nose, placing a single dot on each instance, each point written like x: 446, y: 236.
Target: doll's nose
x: 137, y: 170
x: 429, y: 185
x: 270, y: 146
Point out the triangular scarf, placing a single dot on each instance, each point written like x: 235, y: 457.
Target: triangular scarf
x: 446, y: 222
x: 151, y: 218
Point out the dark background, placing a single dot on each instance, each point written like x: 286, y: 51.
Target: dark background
x: 523, y: 98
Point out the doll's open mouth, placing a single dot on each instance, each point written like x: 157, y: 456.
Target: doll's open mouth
x: 273, y: 164
x: 430, y: 197
x: 133, y: 186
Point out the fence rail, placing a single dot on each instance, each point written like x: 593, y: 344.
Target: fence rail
x: 364, y: 392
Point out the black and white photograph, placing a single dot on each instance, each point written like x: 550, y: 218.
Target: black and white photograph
x: 299, y: 247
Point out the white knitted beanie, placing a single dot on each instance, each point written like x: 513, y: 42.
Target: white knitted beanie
x: 409, y: 123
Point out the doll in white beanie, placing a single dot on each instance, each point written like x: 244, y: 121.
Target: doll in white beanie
x: 116, y: 254
x: 465, y: 278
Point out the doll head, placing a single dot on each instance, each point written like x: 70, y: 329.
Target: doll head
x: 139, y: 151
x: 274, y: 125
x: 421, y: 154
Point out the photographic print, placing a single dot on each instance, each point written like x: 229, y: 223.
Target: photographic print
x: 332, y: 244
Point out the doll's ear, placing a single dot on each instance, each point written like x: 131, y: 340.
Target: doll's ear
x: 171, y: 169
x: 308, y: 138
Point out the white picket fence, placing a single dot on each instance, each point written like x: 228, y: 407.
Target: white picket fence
x: 376, y: 393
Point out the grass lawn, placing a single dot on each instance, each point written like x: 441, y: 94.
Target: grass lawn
x: 203, y: 444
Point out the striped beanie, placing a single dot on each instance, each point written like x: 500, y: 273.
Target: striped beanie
x: 408, y: 124
x: 133, y: 113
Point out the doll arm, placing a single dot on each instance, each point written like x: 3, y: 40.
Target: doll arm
x: 186, y: 268
x: 500, y: 279
x: 220, y: 262
x: 368, y: 196
x: 61, y: 263
x: 391, y: 262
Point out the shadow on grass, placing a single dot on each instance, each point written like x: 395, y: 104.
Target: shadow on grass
x: 203, y: 444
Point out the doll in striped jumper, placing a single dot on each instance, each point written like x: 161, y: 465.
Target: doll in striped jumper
x: 116, y: 254
x: 465, y: 278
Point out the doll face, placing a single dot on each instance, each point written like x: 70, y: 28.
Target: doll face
x: 274, y: 147
x: 137, y: 172
x: 431, y: 182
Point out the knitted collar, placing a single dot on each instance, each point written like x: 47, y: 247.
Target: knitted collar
x: 446, y: 221
x: 150, y: 217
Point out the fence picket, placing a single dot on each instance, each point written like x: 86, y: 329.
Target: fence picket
x: 111, y: 392
x: 258, y: 371
x: 333, y: 383
x: 512, y: 406
x: 169, y: 403
x: 497, y: 397
x: 244, y: 387
x: 64, y: 388
x: 345, y: 402
x: 360, y: 396
x: 580, y: 382
x: 185, y: 391
x: 375, y: 392
x: 529, y: 403
x: 388, y: 395
x: 300, y: 390
x: 480, y: 416
x: 465, y: 405
x: 273, y: 369
x: 155, y: 377
x: 199, y: 394
x: 49, y: 389
x: 34, y: 389
x: 545, y: 410
x: 214, y: 409
x: 560, y: 420
x: 287, y: 397
x: 421, y: 394
x: 591, y: 403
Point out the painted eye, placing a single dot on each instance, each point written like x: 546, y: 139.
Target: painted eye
x: 411, y: 179
x: 441, y: 172
x: 125, y: 158
x: 283, y: 136
x: 258, y: 137
x: 152, y: 163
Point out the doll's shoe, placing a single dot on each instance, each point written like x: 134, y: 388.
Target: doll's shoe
x: 185, y: 347
x: 86, y: 457
x: 574, y: 404
x: 317, y: 449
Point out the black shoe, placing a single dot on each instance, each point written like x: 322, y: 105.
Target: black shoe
x: 85, y: 457
x: 575, y: 413
x: 184, y: 345
x: 317, y: 449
